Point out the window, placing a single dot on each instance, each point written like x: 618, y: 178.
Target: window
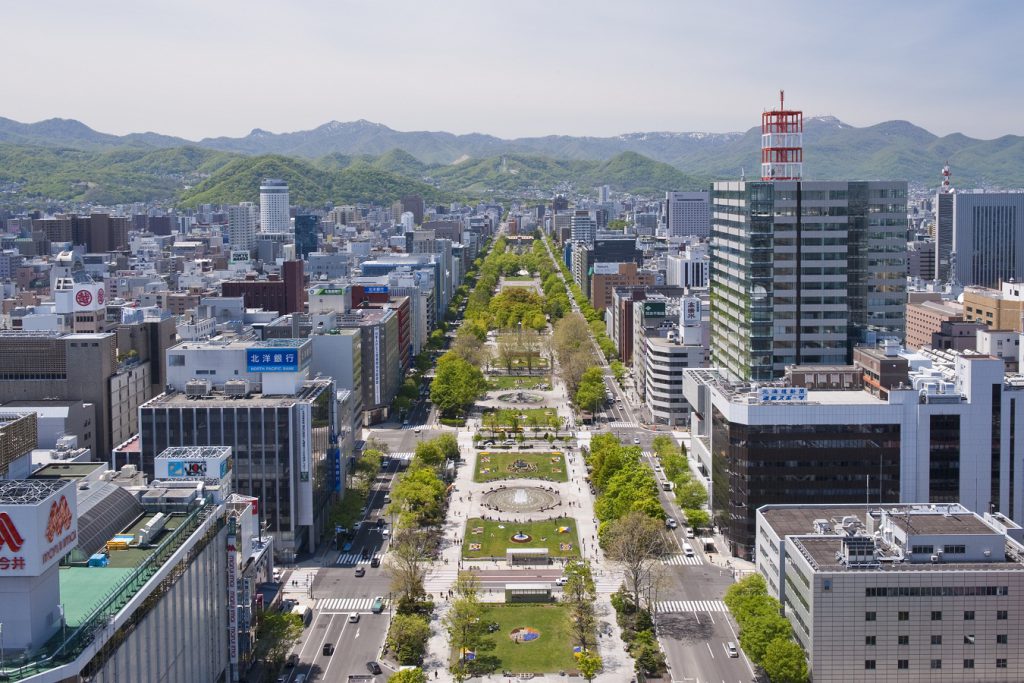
x: 903, y: 640
x: 869, y: 640
x: 968, y: 639
x: 936, y: 664
x: 1002, y: 615
x: 921, y: 549
x: 969, y: 616
x: 954, y: 549
x: 902, y: 663
x: 869, y: 616
x: 968, y: 663
x: 869, y: 664
x: 1000, y: 663
x: 936, y: 616
x: 936, y: 640
x: 1001, y: 639
x: 904, y: 616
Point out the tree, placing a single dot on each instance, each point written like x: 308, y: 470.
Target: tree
x: 429, y: 453
x: 531, y: 343
x: 508, y: 350
x: 418, y: 496
x: 697, y: 519
x: 406, y: 563
x: 369, y: 462
x: 580, y: 594
x: 637, y: 543
x: 470, y: 347
x: 456, y: 385
x: 449, y: 445
x: 590, y: 396
x: 407, y: 637
x: 466, y: 630
x: 618, y: 370
x: 691, y: 495
x: 646, y: 652
x: 588, y: 663
x: 758, y: 631
x: 409, y: 676
x: 276, y: 634
x: 784, y: 662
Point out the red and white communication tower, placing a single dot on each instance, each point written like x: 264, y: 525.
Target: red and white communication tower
x: 782, y: 143
x: 946, y: 173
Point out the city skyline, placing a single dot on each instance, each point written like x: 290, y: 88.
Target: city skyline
x: 345, y: 61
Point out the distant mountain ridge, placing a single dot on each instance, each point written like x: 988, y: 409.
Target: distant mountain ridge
x: 833, y: 149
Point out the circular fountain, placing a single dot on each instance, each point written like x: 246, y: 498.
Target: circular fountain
x: 521, y: 499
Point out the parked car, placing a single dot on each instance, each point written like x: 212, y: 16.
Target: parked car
x: 374, y: 667
x: 360, y: 571
x: 292, y: 660
x: 561, y: 581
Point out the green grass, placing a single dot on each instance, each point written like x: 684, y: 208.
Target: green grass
x: 493, y: 465
x: 494, y: 541
x: 519, y: 278
x: 511, y: 382
x: 524, y: 418
x: 551, y: 653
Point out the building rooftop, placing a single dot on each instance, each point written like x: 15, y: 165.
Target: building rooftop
x: 67, y: 470
x: 823, y: 553
x: 940, y: 523
x: 789, y: 521
x: 28, y: 491
x: 177, y: 398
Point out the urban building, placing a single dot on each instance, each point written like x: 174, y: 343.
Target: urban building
x: 687, y: 214
x: 921, y: 260
x: 284, y: 294
x: 666, y: 352
x: 988, y: 237
x: 306, y: 235
x: 897, y: 592
x: 274, y: 216
x: 925, y: 319
x: 582, y: 227
x: 933, y: 426
x: 242, y: 226
x: 381, y: 358
x: 690, y: 269
x: 999, y: 309
x: 605, y: 277
x: 803, y: 271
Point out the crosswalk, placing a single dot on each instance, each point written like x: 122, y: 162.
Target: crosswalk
x: 682, y: 559
x: 624, y: 425
x: 404, y: 455
x: 351, y: 559
x: 343, y: 604
x: 440, y: 579
x: 691, y: 606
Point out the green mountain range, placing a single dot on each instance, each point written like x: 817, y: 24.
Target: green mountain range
x: 65, y: 160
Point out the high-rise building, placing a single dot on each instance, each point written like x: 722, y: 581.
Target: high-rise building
x: 687, y: 214
x: 803, y: 271
x: 305, y: 235
x: 782, y: 133
x: 943, y: 227
x: 988, y: 237
x: 274, y: 205
x: 242, y: 226
x: 583, y: 227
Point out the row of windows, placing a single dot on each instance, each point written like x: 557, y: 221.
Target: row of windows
x: 871, y: 664
x: 947, y: 549
x: 1001, y: 615
x: 969, y: 639
x: 934, y: 591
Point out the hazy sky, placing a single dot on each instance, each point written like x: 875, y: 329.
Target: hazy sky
x: 198, y: 68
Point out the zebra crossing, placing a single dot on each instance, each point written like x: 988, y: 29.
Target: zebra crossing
x: 624, y: 425
x: 682, y: 559
x: 343, y: 604
x: 350, y: 559
x: 690, y: 606
x: 440, y: 579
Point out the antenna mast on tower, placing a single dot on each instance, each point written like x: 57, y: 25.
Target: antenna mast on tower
x: 782, y: 143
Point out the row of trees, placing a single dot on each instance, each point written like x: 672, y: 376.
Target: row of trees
x: 595, y: 321
x: 457, y: 384
x: 570, y: 343
x: 765, y: 635
x: 417, y: 498
x: 690, y: 493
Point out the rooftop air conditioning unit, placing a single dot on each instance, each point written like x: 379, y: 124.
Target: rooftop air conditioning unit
x: 236, y: 387
x: 935, y: 559
x: 197, y: 387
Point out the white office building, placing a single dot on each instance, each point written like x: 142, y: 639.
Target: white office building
x: 242, y: 226
x: 274, y: 206
x: 687, y: 214
x: 920, y: 592
x: 690, y: 269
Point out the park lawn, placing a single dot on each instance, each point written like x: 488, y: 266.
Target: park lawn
x: 511, y: 382
x: 493, y: 465
x: 519, y: 278
x: 494, y: 541
x: 551, y: 653
x: 523, y: 418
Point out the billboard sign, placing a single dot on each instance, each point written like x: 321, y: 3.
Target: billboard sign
x: 89, y: 296
x: 232, y: 579
x: 691, y: 311
x: 305, y: 412
x: 782, y: 394
x: 334, y: 458
x: 376, y: 289
x: 654, y: 309
x: 35, y: 536
x: 197, y: 468
x: 329, y: 291
x: 272, y: 360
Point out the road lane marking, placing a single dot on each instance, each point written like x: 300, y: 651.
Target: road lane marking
x: 710, y: 650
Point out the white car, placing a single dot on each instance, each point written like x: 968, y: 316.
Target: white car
x: 671, y: 523
x: 353, y: 617
x: 561, y: 581
x: 689, y: 533
x: 636, y: 440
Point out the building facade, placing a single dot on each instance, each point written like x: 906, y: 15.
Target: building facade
x: 687, y: 214
x: 274, y: 206
x: 988, y: 237
x: 803, y: 271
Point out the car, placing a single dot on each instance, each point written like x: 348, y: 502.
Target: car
x: 636, y: 440
x: 385, y: 463
x: 509, y: 442
x: 353, y: 617
x: 688, y: 550
x: 405, y: 423
x: 378, y: 605
x: 360, y: 571
x: 671, y: 523
x: 561, y: 581
x: 689, y: 533
x: 366, y: 553
x: 373, y: 667
x: 386, y: 533
x: 282, y: 679
x: 292, y: 660
x: 417, y: 430
x: 387, y: 498
x: 380, y: 522
x: 488, y: 443
x: 347, y: 547
x: 328, y: 649
x: 301, y: 678
x: 730, y: 647
x: 375, y: 562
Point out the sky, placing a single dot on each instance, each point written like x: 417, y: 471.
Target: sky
x: 206, y: 68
